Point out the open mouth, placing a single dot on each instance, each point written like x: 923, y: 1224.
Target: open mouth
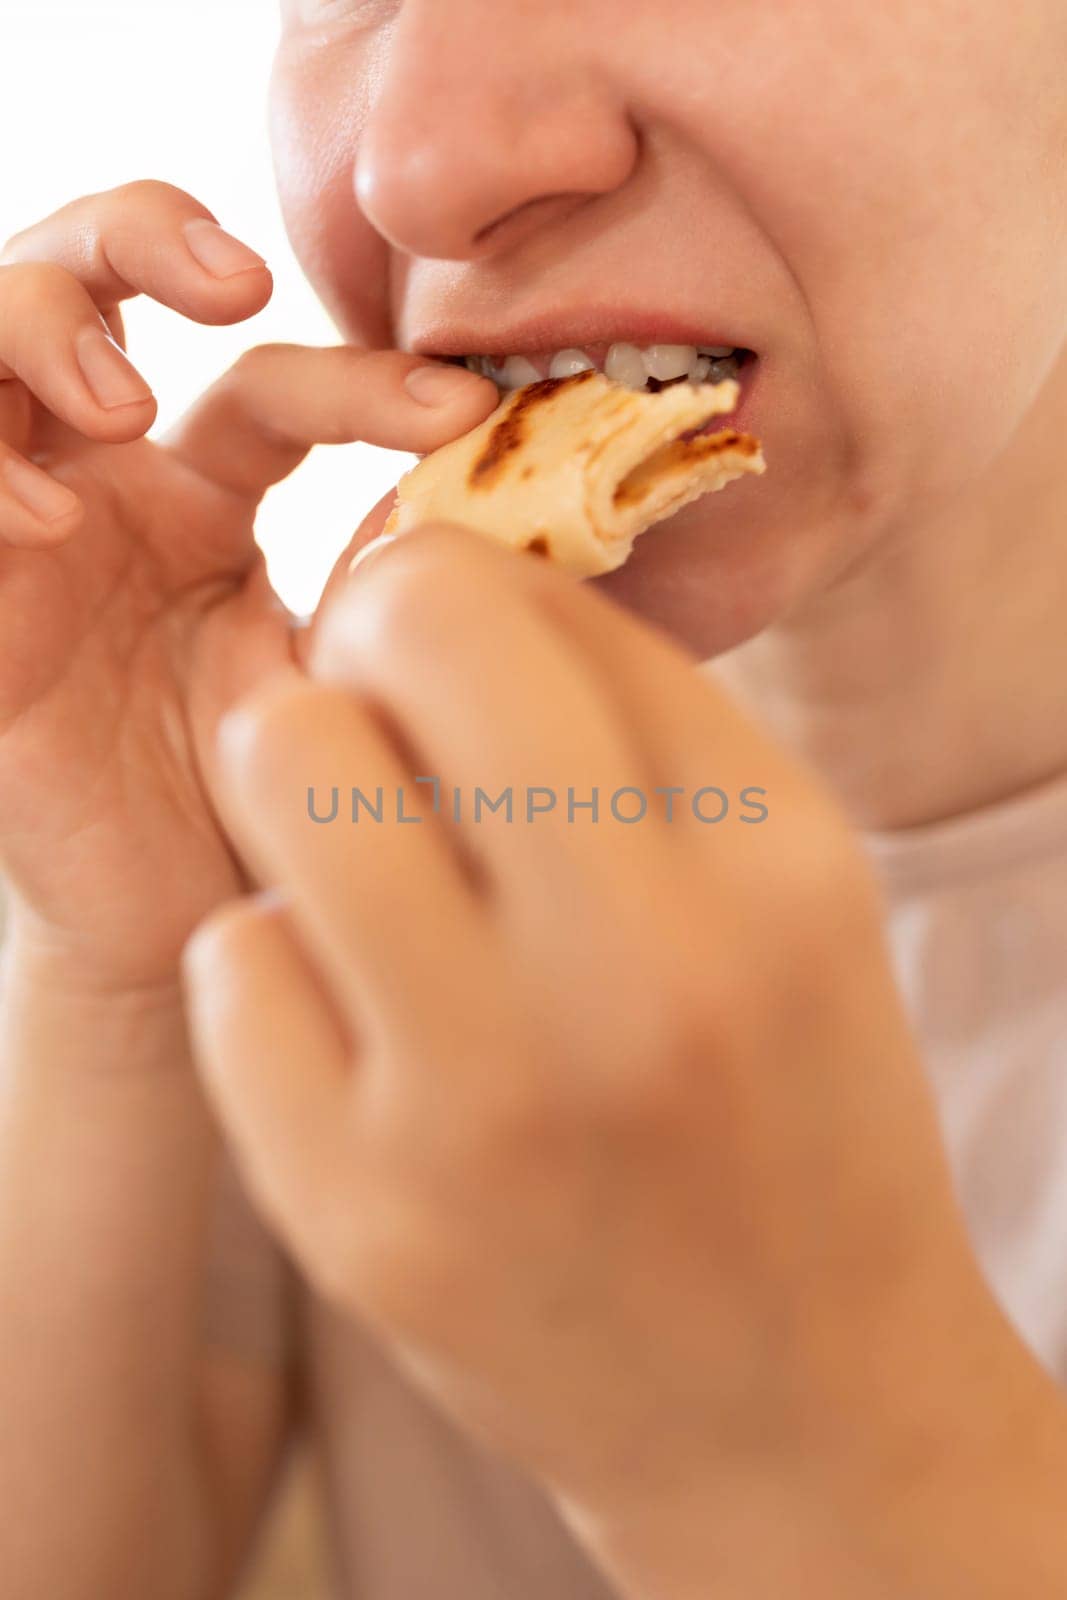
x: 643, y: 368
x: 648, y: 368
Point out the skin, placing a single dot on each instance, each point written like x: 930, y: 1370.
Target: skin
x: 909, y: 307
x: 133, y: 614
x: 104, y: 799
x: 881, y: 538
x: 407, y: 1026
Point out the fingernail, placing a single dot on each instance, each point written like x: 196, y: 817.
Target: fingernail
x: 439, y: 386
x: 41, y: 495
x: 113, y: 380
x: 371, y: 549
x: 217, y: 251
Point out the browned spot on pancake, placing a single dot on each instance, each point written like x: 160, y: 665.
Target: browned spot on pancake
x: 527, y: 472
x: 510, y: 432
x: 539, y: 546
x: 681, y: 455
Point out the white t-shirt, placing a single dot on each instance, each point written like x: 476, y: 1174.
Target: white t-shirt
x: 978, y: 928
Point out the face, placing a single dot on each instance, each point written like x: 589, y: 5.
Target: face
x: 870, y: 197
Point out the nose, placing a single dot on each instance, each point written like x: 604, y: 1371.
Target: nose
x: 486, y: 125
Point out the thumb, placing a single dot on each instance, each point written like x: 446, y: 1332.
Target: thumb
x: 368, y: 530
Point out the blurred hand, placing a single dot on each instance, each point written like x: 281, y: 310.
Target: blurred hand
x: 617, y: 1132
x: 133, y: 599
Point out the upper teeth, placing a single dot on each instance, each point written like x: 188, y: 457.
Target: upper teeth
x: 625, y: 363
x: 517, y: 372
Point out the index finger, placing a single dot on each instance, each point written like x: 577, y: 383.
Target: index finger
x: 257, y: 422
x: 148, y: 238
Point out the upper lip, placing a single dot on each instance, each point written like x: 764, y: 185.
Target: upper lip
x: 563, y: 330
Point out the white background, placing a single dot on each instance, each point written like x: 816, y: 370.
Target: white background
x: 95, y: 93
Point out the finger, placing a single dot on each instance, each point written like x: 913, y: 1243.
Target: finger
x: 439, y: 629
x: 258, y: 422
x: 149, y: 238
x: 696, y: 734
x: 35, y: 510
x: 116, y: 325
x: 368, y: 530
x: 53, y: 339
x: 380, y: 902
x: 238, y: 647
x: 685, y: 723
x: 272, y: 1056
x: 16, y: 415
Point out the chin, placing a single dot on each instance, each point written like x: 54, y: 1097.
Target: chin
x: 714, y: 577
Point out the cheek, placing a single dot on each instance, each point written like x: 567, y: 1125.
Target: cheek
x: 883, y: 153
x: 937, y: 361
x: 318, y: 104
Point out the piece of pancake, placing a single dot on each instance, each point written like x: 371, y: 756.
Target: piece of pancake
x: 575, y: 468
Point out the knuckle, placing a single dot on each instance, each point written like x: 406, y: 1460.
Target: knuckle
x: 826, y: 878
x: 223, y: 934
x: 17, y: 404
x: 26, y: 284
x: 656, y: 1007
x: 390, y: 602
x: 667, y: 1053
x: 254, y: 364
x: 258, y: 739
x: 527, y: 1128
x: 325, y: 1271
x: 330, y: 1236
x: 266, y: 723
x: 12, y: 248
x: 22, y: 247
x: 425, y: 561
x: 140, y: 194
x: 90, y: 217
x: 519, y: 1130
x: 440, y: 545
x: 376, y: 1261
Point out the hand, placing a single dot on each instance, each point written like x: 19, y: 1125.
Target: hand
x: 133, y: 599
x: 617, y: 1132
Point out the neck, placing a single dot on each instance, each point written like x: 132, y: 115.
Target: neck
x: 934, y: 680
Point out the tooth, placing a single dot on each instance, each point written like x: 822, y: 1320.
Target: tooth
x: 719, y: 371
x: 717, y: 351
x: 625, y: 365
x: 699, y: 369
x: 569, y: 362
x: 517, y: 372
x: 664, y: 361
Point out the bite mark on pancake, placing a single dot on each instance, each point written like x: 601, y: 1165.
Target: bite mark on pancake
x: 510, y: 432
x: 678, y: 457
x: 572, y: 470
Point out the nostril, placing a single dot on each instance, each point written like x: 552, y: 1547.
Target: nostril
x: 523, y: 210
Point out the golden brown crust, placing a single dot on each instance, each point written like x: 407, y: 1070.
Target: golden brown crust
x: 573, y: 469
x: 678, y: 458
x: 512, y: 431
